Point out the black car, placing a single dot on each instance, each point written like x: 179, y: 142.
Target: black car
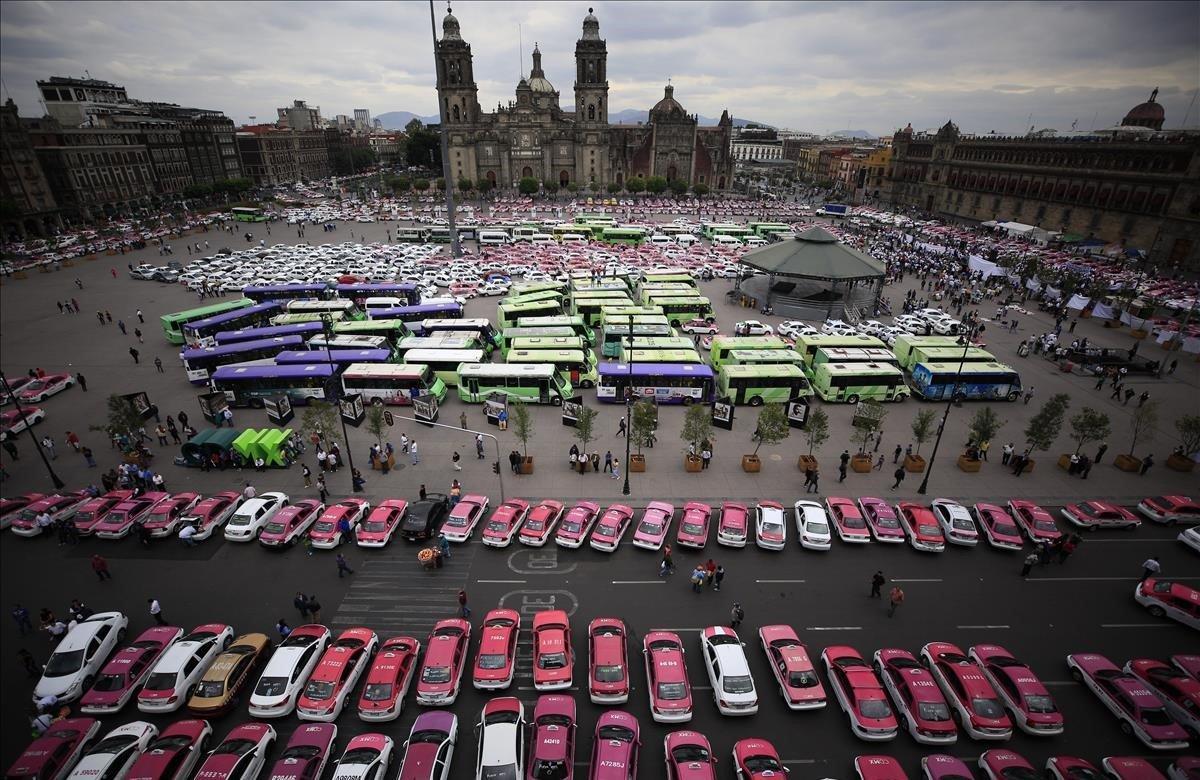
x: 424, y: 517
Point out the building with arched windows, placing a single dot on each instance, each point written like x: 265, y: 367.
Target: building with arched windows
x: 533, y: 136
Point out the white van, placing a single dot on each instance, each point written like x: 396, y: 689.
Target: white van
x: 658, y: 239
x: 572, y: 238
x: 723, y: 240
x: 755, y: 241
x: 493, y: 237
x: 523, y: 233
x: 541, y: 238
x: 685, y: 239
x: 383, y: 302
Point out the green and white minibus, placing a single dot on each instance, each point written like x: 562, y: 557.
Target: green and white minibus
x: 392, y: 330
x: 576, y: 366
x: 388, y: 383
x: 510, y: 335
x: 172, y: 324
x: 608, y: 283
x: 507, y: 314
x: 647, y: 292
x: 762, y: 357
x: 718, y: 354
x: 764, y: 229
x: 559, y: 321
x: 641, y: 314
x: 660, y: 342
x: 614, y: 334
x: 292, y: 319
x: 905, y: 342
x: 680, y: 356
x: 444, y: 362
x: 626, y: 236
x: 531, y: 383
x: 437, y: 341
x: 854, y: 355
x: 525, y: 288
x: 756, y: 385
x: 684, y: 309
x: 558, y: 296
x: 548, y: 342
x: 854, y: 382
x: 589, y: 305
x: 740, y: 232
x: 953, y: 354
x: 344, y: 306
x: 807, y: 345
x: 651, y: 278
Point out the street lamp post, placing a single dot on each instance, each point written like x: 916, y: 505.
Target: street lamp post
x: 54, y: 479
x: 327, y: 329
x: 967, y: 339
x: 628, y: 406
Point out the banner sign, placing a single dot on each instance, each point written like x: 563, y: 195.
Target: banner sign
x: 425, y: 408
x: 493, y: 405
x: 571, y: 409
x: 351, y: 408
x: 722, y: 413
x: 212, y: 405
x: 141, y: 404
x: 279, y: 409
x: 388, y: 418
x: 797, y: 412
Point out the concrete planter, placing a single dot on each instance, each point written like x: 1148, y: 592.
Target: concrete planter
x: 1127, y: 463
x: 1029, y: 464
x: 1139, y: 333
x: 1177, y: 462
x: 806, y: 462
x: 526, y: 466
x: 1064, y: 462
x: 751, y: 464
x: 914, y: 464
x: 1112, y: 323
x: 379, y: 463
x: 969, y: 465
x: 637, y: 463
x: 693, y: 463
x: 860, y: 464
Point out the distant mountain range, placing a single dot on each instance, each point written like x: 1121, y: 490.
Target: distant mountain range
x: 396, y: 120
x: 863, y: 134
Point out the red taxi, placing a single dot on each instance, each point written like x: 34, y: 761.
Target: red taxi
x: 1071, y: 768
x: 174, y: 753
x: 165, y: 517
x: 574, y: 528
x: 464, y: 516
x: 733, y: 527
x: 881, y: 520
x: 667, y: 678
x: 757, y: 759
x: 860, y: 694
x: 445, y: 657
x: 1006, y: 765
x: 552, y: 744
x: 388, y: 679
x: 211, y: 513
x: 290, y: 524
x: 689, y: 756
x: 998, y: 526
x: 615, y: 746
x: 120, y: 678
x: 381, y: 524
x: 338, y: 522
x: 540, y: 523
x: 1091, y: 515
x: 921, y: 528
x: 242, y: 754
x: 93, y: 510
x: 307, y: 752
x: 13, y: 422
x: 848, y: 521
x: 1187, y: 663
x: 1137, y: 768
x: 1037, y: 523
x: 652, y: 529
x: 878, y: 768
x: 52, y: 755
x: 120, y: 519
x: 1026, y: 698
x: 553, y: 657
x: 39, y: 390
x: 942, y: 767
x: 968, y: 691
x: 611, y: 527
x: 343, y: 662
x: 505, y: 522
x: 608, y: 666
x: 496, y: 661
x: 1175, y: 600
x: 792, y: 667
x: 693, y: 526
x: 58, y: 507
x: 1179, y: 691
x: 10, y: 508
x: 917, y: 697
x: 1170, y: 509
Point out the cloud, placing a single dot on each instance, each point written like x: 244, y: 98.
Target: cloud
x: 819, y: 67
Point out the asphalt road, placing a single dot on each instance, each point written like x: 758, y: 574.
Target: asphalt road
x: 963, y: 596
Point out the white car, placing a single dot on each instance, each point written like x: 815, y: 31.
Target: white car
x: 794, y: 328
x: 366, y: 757
x: 501, y: 750
x: 930, y: 315
x: 728, y: 671
x: 770, y: 526
x: 1191, y: 537
x: 177, y: 671
x: 111, y: 757
x: 752, y: 328
x: 909, y: 324
x: 253, y: 515
x: 287, y: 672
x: 701, y: 326
x: 812, y: 525
x: 838, y: 328
x: 956, y: 522
x: 80, y: 656
x: 946, y: 326
x: 489, y: 289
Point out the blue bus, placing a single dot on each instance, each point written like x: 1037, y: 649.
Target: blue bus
x: 339, y: 357
x: 664, y: 383
x: 200, y: 362
x: 284, y: 292
x: 302, y: 329
x: 202, y: 333
x: 360, y: 291
x: 967, y: 381
x: 248, y: 384
x: 422, y: 311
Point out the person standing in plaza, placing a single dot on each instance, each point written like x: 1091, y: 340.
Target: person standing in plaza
x: 306, y: 472
x: 1030, y: 561
x: 897, y: 453
x: 697, y: 578
x: 322, y: 490
x: 718, y: 577
x: 667, y: 566
x: 343, y: 566
x: 412, y: 450
x: 48, y: 446
x: 454, y: 460
x: 616, y: 469
x: 1068, y: 546
x: 301, y: 605
x: 100, y: 566
x: 877, y: 583
x: 1147, y: 462
x: 1006, y: 454
x: 736, y: 615
x: 608, y: 461
x: 314, y: 607
x: 82, y: 380
x: 478, y: 445
x: 464, y: 610
x: 899, y: 474
x: 134, y: 354
x: 1150, y: 568
x: 141, y: 319
x: 1103, y: 448
x: 895, y: 599
x: 621, y: 427
x: 156, y: 612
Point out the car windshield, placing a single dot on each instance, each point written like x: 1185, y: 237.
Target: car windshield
x: 672, y: 691
x: 650, y: 527
x: 763, y: 764
x: 685, y: 754
x: 274, y: 528
x: 987, y: 708
x: 611, y: 673
x: 324, y: 526
x: 1019, y: 773
x: 928, y: 530
x: 114, y: 744
x: 1045, y: 525
x: 271, y: 686
x: 427, y: 737
x: 301, y: 752
x: 497, y: 525
x: 107, y: 683
x: 1156, y: 716
x: 772, y: 528
x: 875, y: 708
x: 456, y: 521
x: 695, y: 529
x: 887, y: 522
x: 160, y: 681
x: 374, y: 526
x: 436, y: 674
x: 571, y: 525
x: 318, y: 690
x: 66, y: 662
x: 209, y: 689
x: 962, y: 524
x: 239, y: 520
x: 802, y: 679
x: 234, y: 747
x: 740, y: 684
x: 933, y: 711
x: 853, y: 521
x: 1083, y: 773
x: 1038, y: 703
x: 817, y: 528
x: 84, y: 516
x: 615, y: 732
x: 170, y: 743
x: 505, y: 772
x: 378, y: 691
x: 552, y: 660
x: 550, y: 770
x: 358, y: 757
x: 1005, y: 529
x: 492, y: 661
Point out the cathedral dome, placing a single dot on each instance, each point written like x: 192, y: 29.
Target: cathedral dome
x: 591, y: 27
x: 450, y: 29
x: 668, y: 104
x: 1149, y: 114
x: 537, y: 78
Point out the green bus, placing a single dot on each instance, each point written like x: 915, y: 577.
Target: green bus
x: 681, y: 356
x: 392, y: 330
x: 807, y: 345
x: 541, y: 295
x: 509, y: 335
x: 247, y: 214
x: 576, y: 366
x: 584, y: 219
x: 548, y: 342
x: 718, y: 354
x: 764, y: 229
x: 906, y: 342
x: 740, y: 232
x: 507, y: 314
x: 572, y: 321
x: 950, y: 355
x: 684, y: 309
x: 756, y: 385
x: 589, y: 305
x: 660, y: 342
x: 348, y: 308
x: 762, y: 357
x: 853, y: 382
x: 640, y: 314
x: 666, y: 277
x: 614, y: 334
x: 537, y: 383
x: 648, y: 292
x: 854, y: 355
x: 313, y: 316
x: 172, y: 324
x: 445, y: 362
x: 626, y: 236
x: 607, y: 284
x: 525, y: 288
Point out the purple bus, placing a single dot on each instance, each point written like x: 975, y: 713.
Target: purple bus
x: 339, y: 357
x: 248, y: 384
x: 201, y: 333
x: 664, y: 383
x: 301, y: 329
x: 359, y: 292
x: 422, y: 311
x: 200, y: 362
x: 284, y: 292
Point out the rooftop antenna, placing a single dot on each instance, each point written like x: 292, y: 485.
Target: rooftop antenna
x: 520, y: 53
x: 1095, y: 116
x: 87, y: 73
x: 1188, y: 115
x: 4, y: 84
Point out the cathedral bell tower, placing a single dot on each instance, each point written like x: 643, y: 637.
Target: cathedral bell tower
x: 591, y: 74
x: 456, y: 76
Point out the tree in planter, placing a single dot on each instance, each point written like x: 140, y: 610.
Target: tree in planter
x: 322, y: 419
x: 1089, y: 426
x: 377, y: 427
x: 867, y: 420
x: 613, y: 188
x: 643, y: 421
x: 522, y: 424
x: 1189, y: 433
x: 528, y: 185
x: 922, y: 428
x: 816, y: 432
x: 984, y: 425
x: 1142, y: 424
x: 122, y: 418
x: 585, y: 427
x: 772, y: 427
x: 1045, y: 426
x: 697, y: 427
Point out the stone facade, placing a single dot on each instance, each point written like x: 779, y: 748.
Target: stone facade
x: 534, y: 137
x: 270, y: 156
x: 23, y: 183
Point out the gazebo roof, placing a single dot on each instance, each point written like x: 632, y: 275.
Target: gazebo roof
x: 814, y: 254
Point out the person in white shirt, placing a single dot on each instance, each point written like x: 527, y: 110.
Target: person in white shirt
x: 1150, y: 568
x: 44, y: 520
x: 249, y: 492
x: 156, y: 612
x: 186, y: 533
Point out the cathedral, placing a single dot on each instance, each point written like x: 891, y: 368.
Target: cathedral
x: 533, y: 136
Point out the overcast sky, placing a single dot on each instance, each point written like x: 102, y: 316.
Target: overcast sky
x: 809, y: 66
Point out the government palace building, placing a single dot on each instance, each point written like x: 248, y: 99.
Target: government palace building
x: 533, y: 136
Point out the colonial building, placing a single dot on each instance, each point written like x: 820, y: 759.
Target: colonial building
x: 1134, y: 184
x: 534, y: 137
x: 271, y: 156
x: 28, y: 203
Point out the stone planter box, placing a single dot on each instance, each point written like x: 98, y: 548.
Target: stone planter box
x: 1177, y: 462
x: 1127, y: 463
x: 914, y: 464
x: 692, y: 463
x: 969, y: 465
x: 526, y: 466
x: 751, y: 464
x: 637, y: 463
x: 1112, y: 323
x: 1029, y: 464
x: 1139, y: 333
x: 860, y: 464
x: 806, y: 462
x: 1064, y: 462
x: 391, y: 463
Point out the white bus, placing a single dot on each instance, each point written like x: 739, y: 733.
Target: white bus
x: 445, y: 362
x: 389, y: 383
x: 493, y: 237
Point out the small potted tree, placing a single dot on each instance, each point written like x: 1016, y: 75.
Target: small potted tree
x: 772, y: 428
x: 643, y: 422
x: 1189, y: 443
x: 922, y: 431
x: 1141, y: 428
x: 816, y: 433
x: 1045, y: 426
x: 585, y: 427
x: 868, y: 419
x: 1087, y: 426
x: 984, y: 426
x: 522, y: 426
x: 697, y: 428
x: 377, y: 427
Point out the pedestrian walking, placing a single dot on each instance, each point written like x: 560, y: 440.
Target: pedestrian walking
x: 736, y: 615
x: 1147, y: 462
x: 813, y: 477
x: 877, y: 582
x: 1103, y: 448
x: 1067, y: 548
x: 899, y: 474
x: 697, y: 579
x: 616, y: 469
x: 134, y: 353
x: 1027, y: 565
x: 454, y: 459
x: 1174, y: 365
x: 896, y: 454
x: 478, y: 444
x: 48, y: 446
x: 895, y: 599
x: 668, y: 562
x: 156, y: 612
x: 314, y: 608
x: 138, y: 333
x: 322, y: 490
x: 343, y: 566
x: 100, y: 566
x: 412, y: 450
x: 158, y: 364
x: 841, y: 472
x: 464, y: 610
x: 444, y: 546
x: 89, y: 456
x: 1150, y: 568
x: 621, y: 427
x: 141, y: 319
x: 1028, y: 395
x: 283, y: 628
x: 608, y: 461
x: 301, y: 604
x: 82, y: 380
x: 718, y: 577
x: 20, y: 616
x: 306, y: 472
x: 1129, y: 393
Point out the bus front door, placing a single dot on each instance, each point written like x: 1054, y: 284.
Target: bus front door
x: 544, y: 392
x: 473, y: 389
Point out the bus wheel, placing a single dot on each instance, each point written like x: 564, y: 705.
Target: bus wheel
x: 586, y: 384
x: 257, y: 403
x: 688, y: 401
x: 899, y: 398
x: 959, y: 398
x: 1014, y: 395
x: 556, y: 401
x: 376, y: 402
x: 852, y: 399
x: 756, y: 401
